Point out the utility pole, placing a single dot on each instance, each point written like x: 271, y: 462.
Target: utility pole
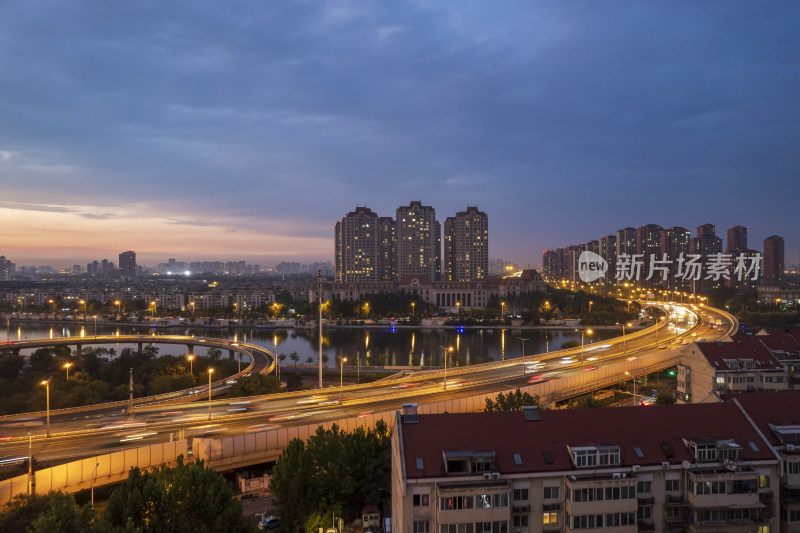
x: 130, y: 392
x: 30, y: 463
x: 319, y: 296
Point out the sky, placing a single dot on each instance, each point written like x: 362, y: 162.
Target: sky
x: 242, y: 130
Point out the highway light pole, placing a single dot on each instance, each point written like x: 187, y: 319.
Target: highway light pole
x: 191, y: 369
x: 445, y: 349
x: 584, y: 332
x: 319, y: 298
x: 523, y: 353
x: 46, y: 383
x: 342, y: 361
x: 94, y: 474
x: 67, y: 365
x: 210, y: 371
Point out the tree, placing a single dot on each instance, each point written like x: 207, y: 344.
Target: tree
x: 55, y: 511
x: 186, y: 498
x: 253, y: 385
x: 584, y: 401
x: 332, y: 472
x: 294, y: 356
x: 282, y: 358
x: 664, y: 398
x: 513, y: 401
x: 309, y: 360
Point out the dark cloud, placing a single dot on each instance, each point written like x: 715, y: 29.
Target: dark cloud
x: 563, y: 121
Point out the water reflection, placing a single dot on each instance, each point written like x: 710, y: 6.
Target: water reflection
x: 381, y: 346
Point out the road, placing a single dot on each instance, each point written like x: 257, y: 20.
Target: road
x: 97, y: 431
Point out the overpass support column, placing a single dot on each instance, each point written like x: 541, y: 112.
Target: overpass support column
x: 78, y: 350
x: 140, y: 347
x: 190, y: 347
x: 230, y: 354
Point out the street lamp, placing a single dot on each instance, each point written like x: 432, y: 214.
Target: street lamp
x: 67, y: 365
x: 119, y: 307
x: 192, y: 304
x: 342, y: 361
x: 584, y: 332
x: 413, y: 304
x: 445, y: 349
x: 154, y: 303
x: 502, y: 310
x: 53, y: 303
x: 46, y: 383
x: 94, y: 474
x: 191, y: 359
x: 458, y: 308
x: 523, y: 353
x: 83, y: 302
x: 634, y: 386
x: 210, y: 371
x: 624, y: 340
x: 95, y: 326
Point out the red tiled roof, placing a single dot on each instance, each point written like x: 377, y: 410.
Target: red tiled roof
x: 648, y: 428
x: 719, y: 353
x: 780, y: 408
x: 779, y: 340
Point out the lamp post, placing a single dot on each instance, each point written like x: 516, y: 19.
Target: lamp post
x: 502, y: 310
x: 53, y: 303
x: 342, y: 361
x: 154, y: 303
x: 119, y: 307
x: 523, y: 353
x: 584, y: 332
x: 94, y: 473
x: 191, y: 363
x: 624, y: 341
x: 46, y: 383
x: 67, y: 365
x: 95, y: 326
x: 634, y: 387
x: 210, y: 371
x: 413, y: 304
x: 83, y: 303
x: 445, y: 349
x: 192, y: 304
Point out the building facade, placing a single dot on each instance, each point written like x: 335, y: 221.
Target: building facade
x: 419, y: 241
x: 466, y: 246
x: 357, y: 241
x: 670, y: 468
x: 773, y: 260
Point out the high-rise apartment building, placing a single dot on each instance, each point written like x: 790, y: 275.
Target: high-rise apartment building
x: 127, y: 264
x: 6, y: 268
x: 466, y: 246
x: 626, y: 241
x: 709, y: 244
x: 387, y: 249
x: 419, y: 241
x: 674, y: 242
x: 608, y: 251
x: 737, y: 239
x: 773, y: 260
x: 357, y: 238
x: 648, y: 245
x: 553, y: 264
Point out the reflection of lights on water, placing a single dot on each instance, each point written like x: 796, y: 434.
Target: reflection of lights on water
x: 366, y: 341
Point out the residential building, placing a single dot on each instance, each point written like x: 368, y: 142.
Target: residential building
x: 357, y: 242
x: 742, y: 364
x: 127, y: 264
x: 737, y: 239
x: 608, y: 251
x: 466, y: 246
x: 664, y: 468
x: 675, y: 244
x: 387, y: 249
x: 773, y: 260
x: 419, y: 241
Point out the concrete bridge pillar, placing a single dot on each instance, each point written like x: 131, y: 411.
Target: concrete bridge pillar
x: 78, y: 350
x: 140, y: 347
x: 230, y: 354
x: 190, y: 347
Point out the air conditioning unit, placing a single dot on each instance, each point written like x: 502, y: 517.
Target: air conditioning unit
x: 636, y: 468
x: 616, y: 475
x: 665, y: 465
x: 790, y: 447
x: 487, y: 475
x: 495, y: 475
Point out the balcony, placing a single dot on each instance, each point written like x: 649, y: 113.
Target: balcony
x: 521, y: 509
x: 645, y: 525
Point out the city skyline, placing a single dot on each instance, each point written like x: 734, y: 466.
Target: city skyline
x: 203, y: 131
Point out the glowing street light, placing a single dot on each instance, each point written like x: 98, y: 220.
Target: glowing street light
x: 634, y: 387
x: 445, y: 349
x: 502, y: 310
x: 191, y: 365
x: 67, y: 365
x: 210, y: 371
x: 342, y: 361
x: 46, y: 383
x: 119, y: 307
x: 53, y: 303
x: 192, y: 304
x: 584, y: 332
x: 413, y: 305
x: 83, y: 303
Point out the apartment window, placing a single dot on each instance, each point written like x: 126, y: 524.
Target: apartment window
x: 491, y: 527
x: 791, y: 468
x: 763, y: 482
x: 673, y: 485
x: 421, y: 500
x: 645, y: 512
x: 709, y: 487
x: 422, y: 526
x: 551, y: 493
x: 457, y: 528
x: 520, y: 521
x: 456, y: 503
x: 645, y: 487
x: 550, y: 518
x: 521, y: 495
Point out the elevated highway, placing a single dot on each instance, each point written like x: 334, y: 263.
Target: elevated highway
x: 554, y: 377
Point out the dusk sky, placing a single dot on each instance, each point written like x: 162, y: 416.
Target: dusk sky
x: 245, y: 130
